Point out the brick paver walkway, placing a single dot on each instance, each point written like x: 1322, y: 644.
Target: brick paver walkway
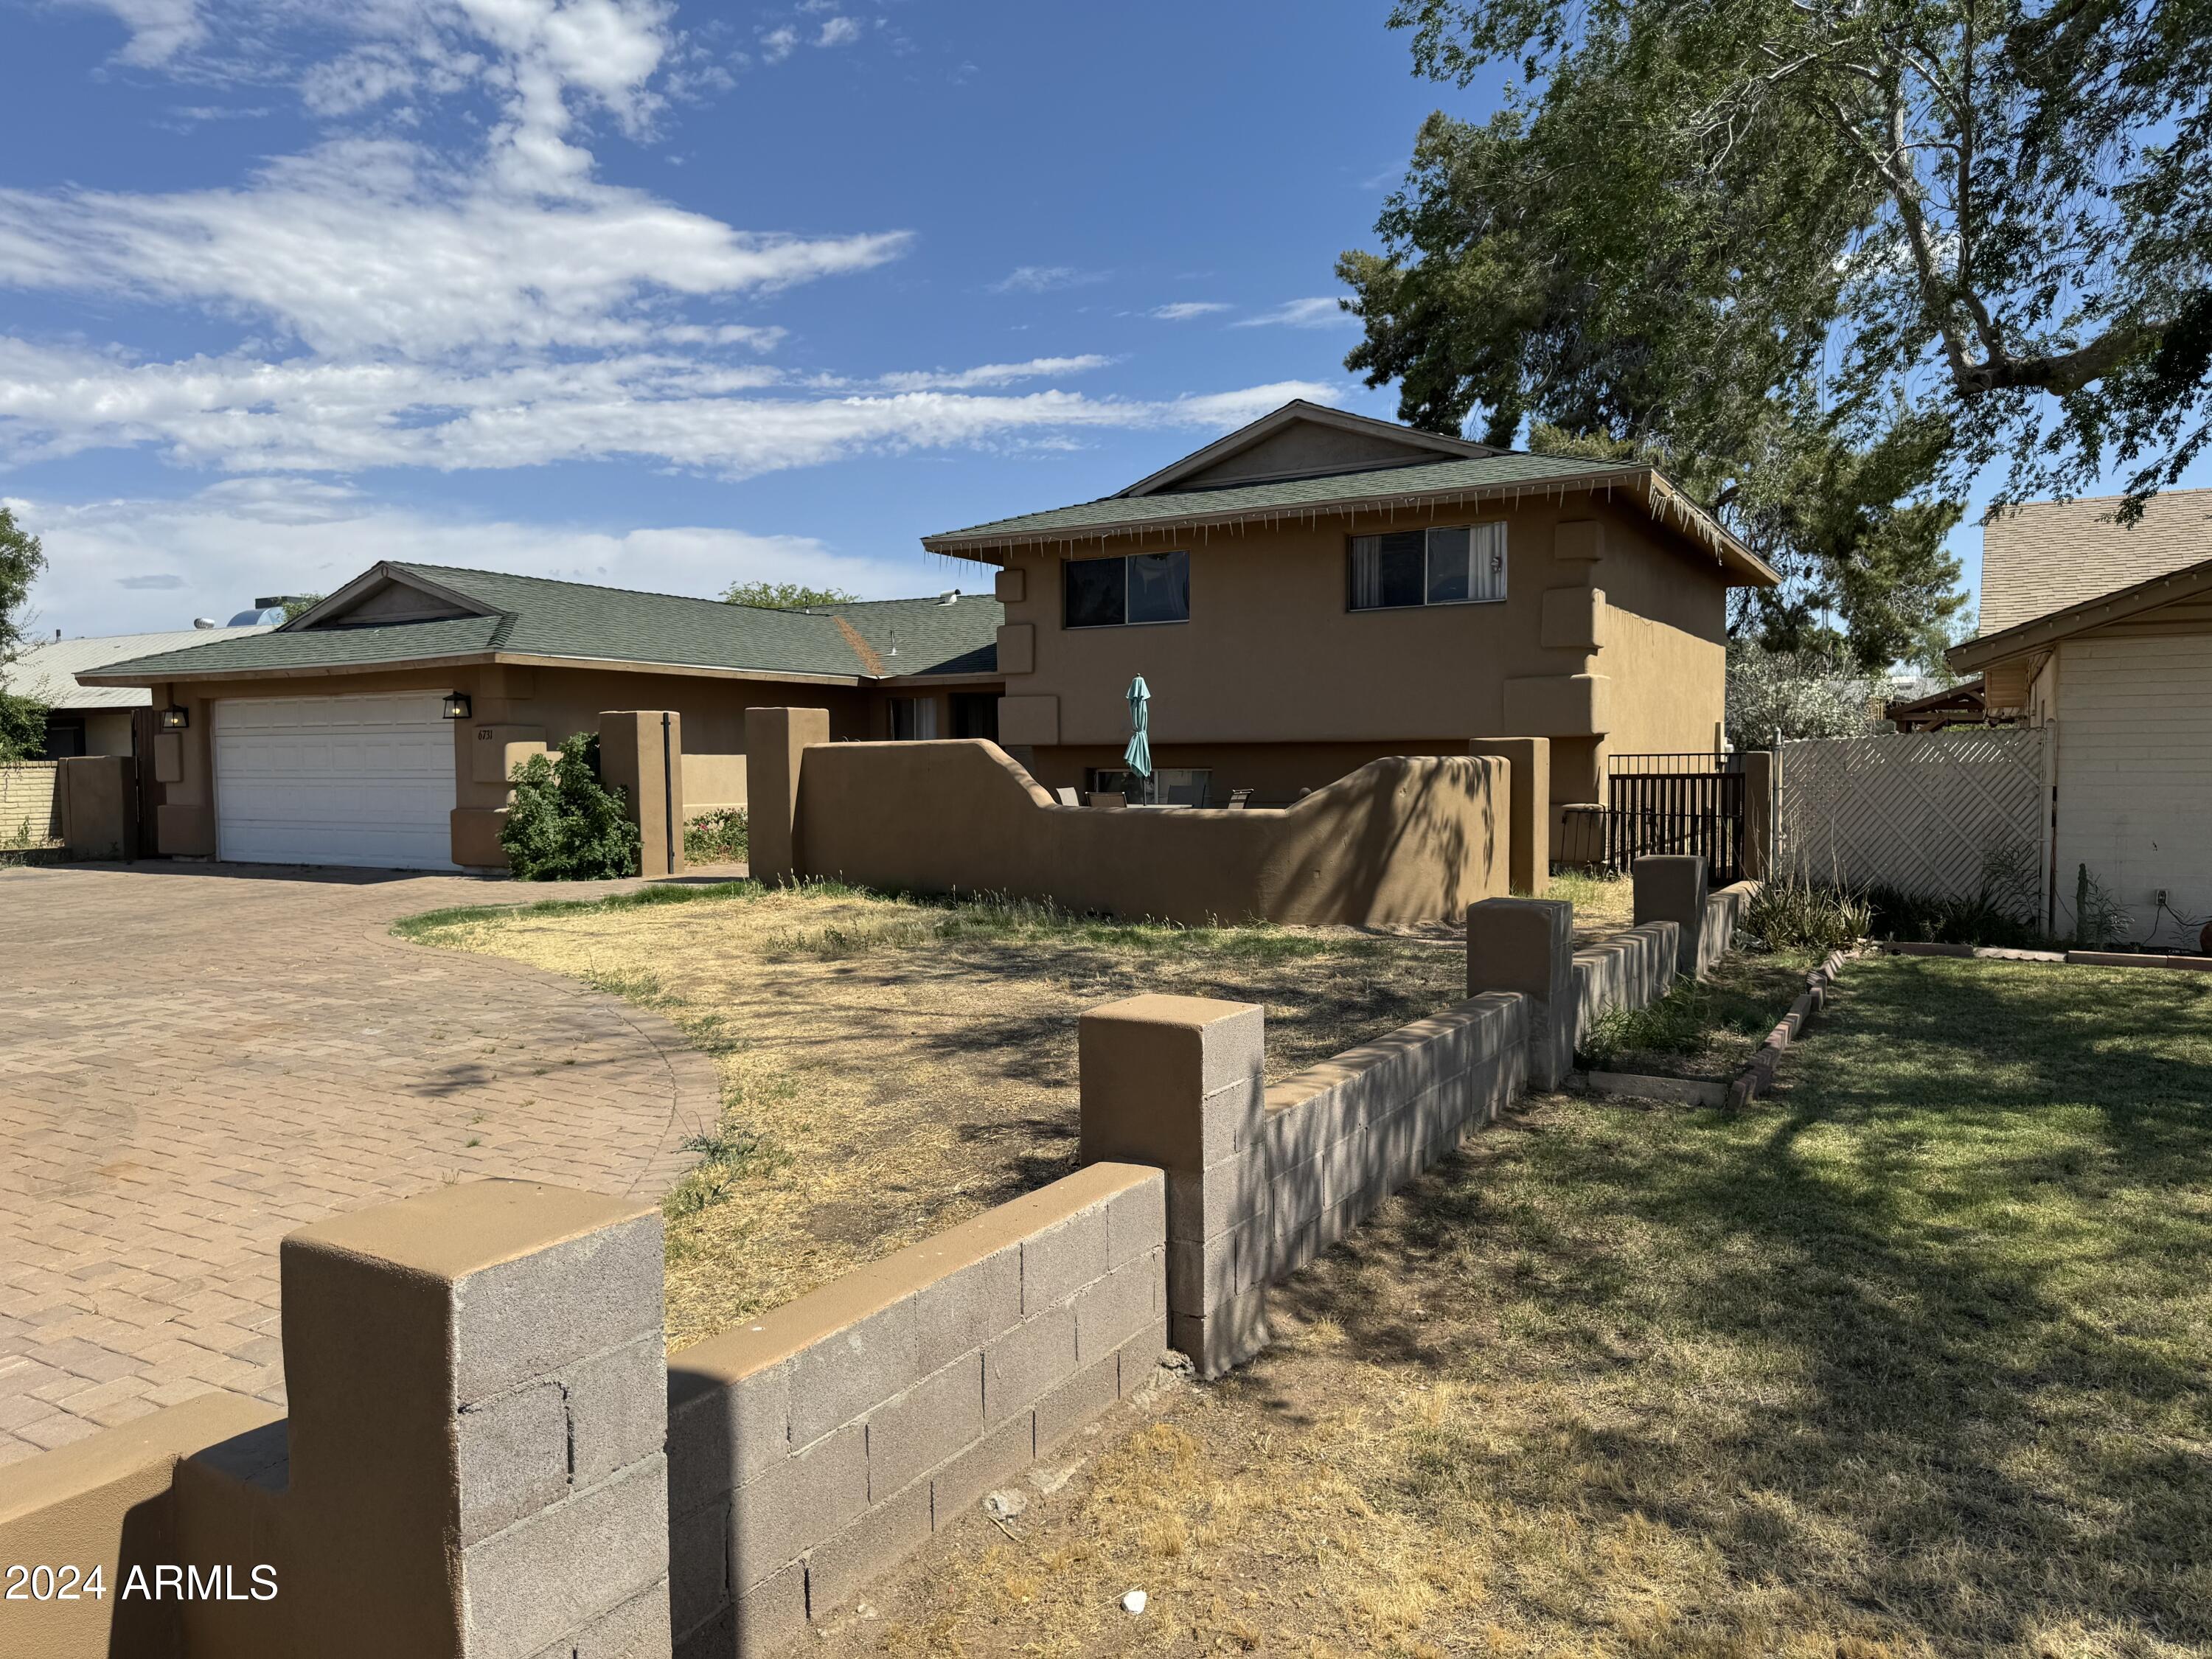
x: 194, y: 1060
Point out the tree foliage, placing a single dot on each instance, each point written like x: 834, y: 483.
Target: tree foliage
x: 1979, y: 225
x: 22, y: 727
x: 566, y: 825
x: 785, y: 596
x: 300, y: 603
x: 21, y: 558
x: 1815, y: 692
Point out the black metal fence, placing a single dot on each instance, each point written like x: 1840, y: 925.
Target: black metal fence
x: 1676, y: 803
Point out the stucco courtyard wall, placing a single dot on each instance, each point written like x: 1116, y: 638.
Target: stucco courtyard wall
x: 1403, y: 839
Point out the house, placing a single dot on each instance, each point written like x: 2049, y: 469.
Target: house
x: 2106, y: 632
x: 84, y: 720
x: 379, y: 727
x: 1931, y: 707
x: 1318, y: 590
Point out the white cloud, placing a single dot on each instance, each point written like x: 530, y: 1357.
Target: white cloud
x: 127, y: 566
x: 239, y: 414
x: 838, y: 32
x: 779, y: 43
x: 1300, y: 313
x: 983, y: 374
x: 1181, y: 310
x: 160, y: 29
x: 1040, y: 279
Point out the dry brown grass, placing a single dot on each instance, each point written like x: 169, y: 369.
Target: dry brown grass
x: 1916, y: 1360
x: 893, y: 1067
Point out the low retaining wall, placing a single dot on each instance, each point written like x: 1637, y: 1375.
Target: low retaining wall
x: 29, y: 797
x: 815, y: 1447
x: 1399, y: 840
x: 1260, y: 1180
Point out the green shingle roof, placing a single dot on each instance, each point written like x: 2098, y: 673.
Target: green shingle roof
x: 537, y: 615
x: 1284, y: 495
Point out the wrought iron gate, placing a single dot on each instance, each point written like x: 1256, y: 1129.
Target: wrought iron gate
x: 1676, y: 803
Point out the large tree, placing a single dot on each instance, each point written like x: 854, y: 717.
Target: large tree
x: 1833, y: 258
x: 22, y: 722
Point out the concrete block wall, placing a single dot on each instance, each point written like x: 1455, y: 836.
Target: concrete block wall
x: 1261, y: 1179
x: 813, y: 1448
x: 30, y: 797
x: 1631, y: 970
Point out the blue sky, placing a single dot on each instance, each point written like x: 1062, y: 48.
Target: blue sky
x: 663, y: 296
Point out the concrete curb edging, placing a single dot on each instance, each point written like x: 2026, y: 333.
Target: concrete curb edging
x: 1630, y: 1085
x: 2064, y: 958
x: 1756, y: 1079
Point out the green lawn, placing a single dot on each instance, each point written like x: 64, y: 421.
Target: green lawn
x: 1914, y: 1358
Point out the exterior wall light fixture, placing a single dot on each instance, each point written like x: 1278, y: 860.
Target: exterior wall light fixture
x: 173, y: 719
x: 457, y: 705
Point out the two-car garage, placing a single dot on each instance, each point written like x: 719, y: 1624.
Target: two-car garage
x: 365, y: 780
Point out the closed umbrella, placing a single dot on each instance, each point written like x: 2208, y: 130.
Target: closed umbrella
x: 1138, y: 755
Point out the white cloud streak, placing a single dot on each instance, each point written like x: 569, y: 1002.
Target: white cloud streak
x: 1183, y: 311
x: 1300, y: 313
x: 1043, y: 279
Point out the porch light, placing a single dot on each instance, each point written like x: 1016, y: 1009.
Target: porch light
x: 173, y: 719
x: 457, y: 705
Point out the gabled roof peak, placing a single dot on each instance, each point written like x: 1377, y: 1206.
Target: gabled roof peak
x: 1304, y: 439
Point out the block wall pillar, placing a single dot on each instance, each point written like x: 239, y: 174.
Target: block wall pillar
x: 1528, y: 945
x: 1177, y: 1083
x: 642, y: 752
x: 473, y: 1465
x: 1671, y: 887
x: 1530, y: 817
x: 775, y: 740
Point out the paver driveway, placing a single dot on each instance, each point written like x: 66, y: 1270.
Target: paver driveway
x: 196, y: 1058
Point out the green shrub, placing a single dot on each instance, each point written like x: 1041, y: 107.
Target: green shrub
x: 565, y: 824
x: 22, y: 727
x: 1791, y: 914
x: 717, y: 838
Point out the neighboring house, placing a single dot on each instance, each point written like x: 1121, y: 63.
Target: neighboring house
x: 2106, y: 633
x: 95, y: 719
x: 1930, y: 708
x: 1318, y: 590
x: 377, y: 728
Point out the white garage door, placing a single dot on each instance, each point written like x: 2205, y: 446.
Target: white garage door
x: 363, y: 781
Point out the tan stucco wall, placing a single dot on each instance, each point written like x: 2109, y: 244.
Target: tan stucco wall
x: 1401, y: 839
x: 1272, y: 654
x: 107, y: 732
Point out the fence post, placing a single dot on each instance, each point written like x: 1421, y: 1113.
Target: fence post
x: 1176, y: 1082
x: 1529, y: 945
x: 1758, y: 814
x: 775, y: 740
x: 473, y: 1466
x: 1671, y: 887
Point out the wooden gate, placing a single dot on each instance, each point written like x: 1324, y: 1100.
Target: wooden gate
x: 1676, y: 803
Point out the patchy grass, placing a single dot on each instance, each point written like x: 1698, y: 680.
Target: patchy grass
x: 1706, y: 1028
x: 1914, y: 1360
x: 1604, y: 902
x: 892, y: 1067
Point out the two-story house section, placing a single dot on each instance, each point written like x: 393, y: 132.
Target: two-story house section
x: 1318, y: 589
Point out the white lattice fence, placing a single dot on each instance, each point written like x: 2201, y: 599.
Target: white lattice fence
x: 1918, y: 812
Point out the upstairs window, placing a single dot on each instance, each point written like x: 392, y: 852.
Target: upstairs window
x: 1145, y: 587
x: 1464, y: 564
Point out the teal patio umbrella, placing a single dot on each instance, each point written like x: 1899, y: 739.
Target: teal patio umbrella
x: 1138, y: 755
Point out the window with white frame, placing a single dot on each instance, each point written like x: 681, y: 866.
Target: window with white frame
x: 1117, y: 593
x: 1458, y: 564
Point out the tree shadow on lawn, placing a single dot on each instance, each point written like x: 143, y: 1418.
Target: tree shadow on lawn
x: 1933, y: 1341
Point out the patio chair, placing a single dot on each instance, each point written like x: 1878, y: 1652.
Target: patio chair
x: 1108, y: 800
x: 1238, y: 799
x: 1066, y: 797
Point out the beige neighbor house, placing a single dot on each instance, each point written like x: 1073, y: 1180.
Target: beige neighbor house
x: 88, y: 720
x: 2106, y: 632
x: 379, y: 728
x: 1318, y: 590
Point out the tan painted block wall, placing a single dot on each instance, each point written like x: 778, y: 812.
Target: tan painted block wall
x: 810, y: 1449
x: 30, y: 800
x: 1401, y: 840
x: 713, y: 782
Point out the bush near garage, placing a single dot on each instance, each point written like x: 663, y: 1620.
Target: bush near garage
x: 564, y: 823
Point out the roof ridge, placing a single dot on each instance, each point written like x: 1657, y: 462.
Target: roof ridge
x: 563, y: 581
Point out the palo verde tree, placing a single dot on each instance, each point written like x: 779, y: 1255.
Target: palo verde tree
x: 1831, y: 256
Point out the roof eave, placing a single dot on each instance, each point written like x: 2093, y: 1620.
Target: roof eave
x: 465, y: 659
x: 1974, y: 655
x: 1692, y: 521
